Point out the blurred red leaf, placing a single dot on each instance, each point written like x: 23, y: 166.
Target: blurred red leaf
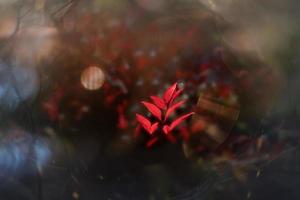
x: 175, y: 123
x: 173, y: 108
x: 137, y: 131
x: 122, y: 122
x: 224, y: 91
x: 175, y: 95
x: 153, y: 128
x: 145, y: 123
x: 166, y: 129
x: 52, y: 110
x: 184, y: 133
x: 153, y: 109
x: 159, y: 102
x: 151, y: 142
x: 171, y: 138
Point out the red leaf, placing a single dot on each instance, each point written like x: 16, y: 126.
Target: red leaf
x: 184, y: 133
x: 137, y: 131
x: 174, y: 107
x: 153, y: 128
x: 171, y: 138
x: 169, y: 93
x: 122, y: 123
x: 175, y: 95
x: 152, y: 142
x: 177, y: 121
x: 224, y: 91
x: 166, y: 129
x: 153, y: 109
x: 145, y: 123
x: 52, y: 110
x: 158, y: 102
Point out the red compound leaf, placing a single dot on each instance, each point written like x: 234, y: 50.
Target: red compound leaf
x: 169, y: 93
x: 166, y: 106
x: 173, y: 108
x: 153, y: 109
x: 158, y: 102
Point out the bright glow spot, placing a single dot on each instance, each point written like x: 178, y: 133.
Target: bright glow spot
x: 92, y: 78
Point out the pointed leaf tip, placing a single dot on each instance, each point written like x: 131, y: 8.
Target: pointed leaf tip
x: 169, y: 93
x: 175, y: 95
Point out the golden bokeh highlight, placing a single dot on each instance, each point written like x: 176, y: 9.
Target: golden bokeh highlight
x: 92, y: 78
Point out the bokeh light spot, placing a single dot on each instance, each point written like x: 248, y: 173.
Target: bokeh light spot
x: 92, y: 78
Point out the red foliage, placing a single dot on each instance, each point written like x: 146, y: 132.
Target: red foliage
x: 153, y: 109
x: 161, y: 109
x: 159, y: 102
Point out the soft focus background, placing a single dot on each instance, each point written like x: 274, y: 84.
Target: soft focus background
x: 73, y: 74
